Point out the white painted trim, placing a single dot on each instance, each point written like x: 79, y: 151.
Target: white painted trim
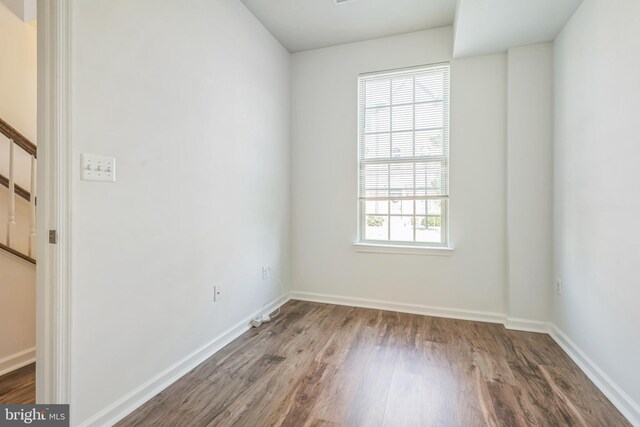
x: 16, y: 258
x: 526, y: 325
x: 403, y: 250
x: 17, y: 360
x: 133, y: 400
x: 617, y: 396
x: 451, y: 313
x: 53, y: 272
x: 136, y: 398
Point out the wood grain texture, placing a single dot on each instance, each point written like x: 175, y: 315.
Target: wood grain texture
x: 19, y: 139
x: 4, y: 181
x: 17, y: 253
x: 19, y: 386
x: 324, y: 365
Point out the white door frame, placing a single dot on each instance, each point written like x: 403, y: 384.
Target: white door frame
x: 53, y: 271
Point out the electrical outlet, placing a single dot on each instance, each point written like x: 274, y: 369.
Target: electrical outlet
x: 217, y: 292
x: 558, y: 286
x: 265, y: 273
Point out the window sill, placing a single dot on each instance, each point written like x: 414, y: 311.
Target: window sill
x: 403, y: 250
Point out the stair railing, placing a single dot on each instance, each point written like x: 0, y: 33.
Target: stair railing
x: 19, y: 141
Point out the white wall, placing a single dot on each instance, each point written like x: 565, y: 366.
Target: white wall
x: 193, y: 101
x: 18, y: 73
x: 18, y: 89
x: 17, y: 311
x: 596, y: 191
x: 529, y: 181
x: 324, y: 178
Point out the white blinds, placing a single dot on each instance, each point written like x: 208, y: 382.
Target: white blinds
x: 404, y: 155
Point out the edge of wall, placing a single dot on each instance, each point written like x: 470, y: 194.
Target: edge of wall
x: 613, y: 392
x: 140, y: 395
x: 17, y: 360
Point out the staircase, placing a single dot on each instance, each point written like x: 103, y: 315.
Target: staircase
x: 20, y: 183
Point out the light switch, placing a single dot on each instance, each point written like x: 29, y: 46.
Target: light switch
x: 98, y: 168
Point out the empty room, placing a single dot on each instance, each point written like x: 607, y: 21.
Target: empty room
x: 319, y: 213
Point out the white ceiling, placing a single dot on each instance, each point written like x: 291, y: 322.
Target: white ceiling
x: 481, y: 26
x: 24, y: 9
x: 490, y: 26
x: 309, y: 24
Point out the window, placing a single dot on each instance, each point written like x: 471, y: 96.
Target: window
x: 403, y: 155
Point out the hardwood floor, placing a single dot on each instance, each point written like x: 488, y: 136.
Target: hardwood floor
x: 325, y: 365
x: 19, y: 386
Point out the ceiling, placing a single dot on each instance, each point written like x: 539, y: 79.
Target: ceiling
x: 489, y: 26
x: 24, y: 9
x: 481, y: 26
x: 309, y: 24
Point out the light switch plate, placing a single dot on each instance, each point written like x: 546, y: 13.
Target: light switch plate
x: 98, y: 168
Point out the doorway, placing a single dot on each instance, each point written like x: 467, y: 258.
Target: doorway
x: 49, y: 234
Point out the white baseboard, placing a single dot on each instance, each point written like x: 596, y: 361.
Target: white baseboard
x: 451, y: 313
x: 17, y: 360
x: 617, y: 396
x: 128, y: 403
x: 136, y: 398
x: 526, y: 325
x: 622, y: 401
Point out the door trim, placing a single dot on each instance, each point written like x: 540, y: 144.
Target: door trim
x: 53, y: 271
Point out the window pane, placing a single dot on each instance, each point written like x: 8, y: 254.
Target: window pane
x: 402, y: 117
x: 429, y: 115
x: 376, y: 193
x: 429, y: 176
x: 435, y: 207
x: 402, y: 89
x: 421, y: 207
x: 407, y: 207
x: 377, y: 120
x: 429, y: 87
x: 378, y: 92
x: 377, y: 207
x: 375, y: 177
x: 401, y: 179
x: 429, y: 143
x: 402, y: 144
x: 434, y: 179
x: 401, y: 207
x: 402, y: 228
x: 428, y: 229
x: 376, y: 227
x: 377, y: 146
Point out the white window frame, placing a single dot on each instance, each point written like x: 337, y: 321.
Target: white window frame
x: 404, y: 247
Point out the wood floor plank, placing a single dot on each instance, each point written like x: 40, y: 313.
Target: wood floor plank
x: 19, y: 386
x: 320, y: 365
x: 439, y: 387
x: 334, y: 405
